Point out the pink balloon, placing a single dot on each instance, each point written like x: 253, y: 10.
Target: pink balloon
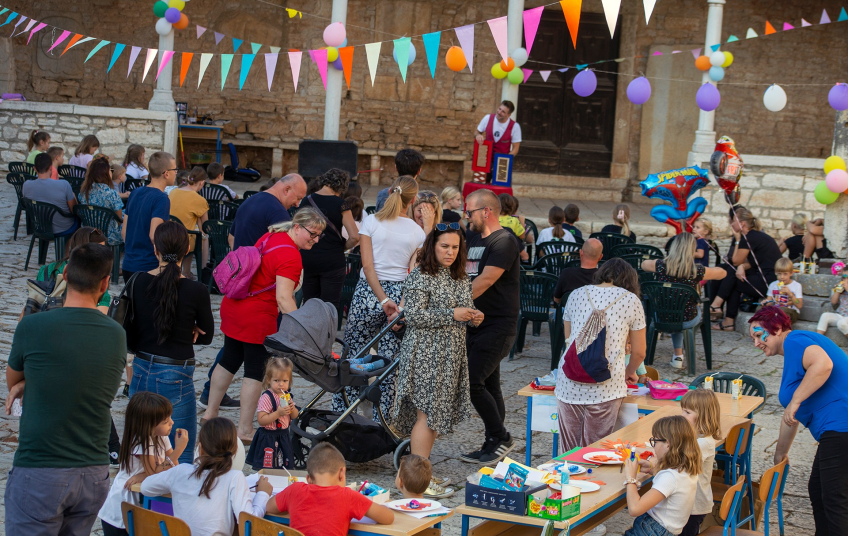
x: 335, y: 34
x: 837, y: 181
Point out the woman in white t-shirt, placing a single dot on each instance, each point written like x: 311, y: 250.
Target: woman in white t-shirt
x: 664, y: 509
x: 388, y: 243
x: 587, y: 411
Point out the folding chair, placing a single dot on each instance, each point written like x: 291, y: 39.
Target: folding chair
x: 250, y: 525
x: 141, y: 522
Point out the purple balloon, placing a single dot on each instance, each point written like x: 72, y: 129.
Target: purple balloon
x: 338, y: 64
x: 838, y: 97
x: 639, y: 90
x: 708, y: 97
x: 172, y: 15
x: 585, y: 83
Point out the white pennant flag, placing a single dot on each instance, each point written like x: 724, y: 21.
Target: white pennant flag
x: 148, y: 61
x: 204, y: 63
x: 295, y: 59
x: 545, y: 75
x: 611, y: 8
x: 649, y: 9
x: 372, y: 51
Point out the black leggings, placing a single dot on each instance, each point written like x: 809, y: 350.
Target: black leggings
x: 732, y: 289
x: 828, y: 486
x: 109, y: 530
x: 252, y: 355
x: 326, y: 285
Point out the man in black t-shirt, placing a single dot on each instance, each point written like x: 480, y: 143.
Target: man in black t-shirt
x: 494, y: 268
x: 574, y: 278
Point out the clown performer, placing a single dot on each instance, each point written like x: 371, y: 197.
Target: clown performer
x: 503, y: 132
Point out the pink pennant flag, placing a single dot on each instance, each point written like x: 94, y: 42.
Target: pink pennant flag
x: 148, y: 61
x: 271, y: 67
x: 39, y: 27
x: 657, y: 53
x: 295, y: 57
x: 696, y: 52
x: 320, y: 58
x: 527, y: 73
x: 675, y: 51
x: 133, y: 56
x: 200, y: 31
x: 545, y: 75
x: 218, y: 37
x: 465, y: 34
x: 531, y: 25
x: 29, y: 25
x: 787, y: 26
x: 20, y: 21
x: 498, y: 28
x: 805, y: 23
x: 166, y: 57
x: 65, y: 34
x: 824, y: 18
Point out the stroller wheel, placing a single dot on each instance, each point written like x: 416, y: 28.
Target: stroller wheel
x: 301, y: 447
x: 401, y: 451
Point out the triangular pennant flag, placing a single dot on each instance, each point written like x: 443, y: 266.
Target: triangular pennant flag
x: 611, y: 8
x: 346, y: 55
x: 804, y: 23
x: 402, y: 51
x: 527, y: 73
x: 545, y: 75
x: 246, y: 63
x: 148, y: 61
x: 581, y: 66
x: 320, y: 58
x: 769, y: 28
x: 133, y: 56
x: 787, y: 27
x: 271, y: 67
x: 200, y: 31
x: 77, y: 39
x: 619, y: 60
x: 164, y: 60
x: 649, y: 9
x: 656, y: 53
x: 96, y: 48
x: 696, y: 52
x: 372, y: 52
x: 14, y: 14
x: 218, y: 37
x: 184, y: 63
x: 465, y: 34
x: 5, y: 9
x: 20, y: 21
x: 37, y: 28
x: 119, y: 48
x: 843, y: 16
x: 714, y: 48
x: 431, y: 48
x: 531, y: 26
x: 732, y: 39
x: 825, y: 19
x: 751, y: 34
x: 254, y: 47
x: 205, y: 59
x: 498, y: 28
x: 65, y: 34
x: 676, y: 51
x: 295, y: 57
x: 293, y: 12
x: 571, y: 11
x: 275, y: 50
x: 226, y: 62
x: 236, y: 44
x: 30, y: 24
x: 564, y: 69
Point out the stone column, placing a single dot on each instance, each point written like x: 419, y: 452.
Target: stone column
x: 705, y: 136
x: 836, y: 213
x: 163, y: 97
x: 515, y: 31
x: 335, y: 79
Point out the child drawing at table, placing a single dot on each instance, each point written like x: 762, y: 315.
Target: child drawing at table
x: 413, y: 477
x: 664, y: 510
x: 271, y: 447
x: 210, y: 494
x: 701, y: 409
x: 324, y: 506
x: 145, y: 450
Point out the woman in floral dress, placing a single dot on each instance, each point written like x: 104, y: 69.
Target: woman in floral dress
x: 97, y: 189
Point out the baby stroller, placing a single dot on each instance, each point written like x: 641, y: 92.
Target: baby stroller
x: 306, y: 336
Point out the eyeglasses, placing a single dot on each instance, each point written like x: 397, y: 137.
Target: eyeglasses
x: 654, y: 440
x: 468, y: 213
x: 445, y: 226
x: 174, y: 170
x: 313, y: 236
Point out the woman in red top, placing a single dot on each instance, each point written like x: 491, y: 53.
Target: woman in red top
x: 245, y: 323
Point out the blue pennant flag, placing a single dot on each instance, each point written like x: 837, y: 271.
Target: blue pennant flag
x: 431, y: 47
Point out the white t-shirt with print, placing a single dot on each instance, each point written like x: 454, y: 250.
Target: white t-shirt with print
x: 704, y: 496
x: 499, y: 128
x: 547, y: 235
x: 393, y: 242
x: 794, y: 286
x: 134, y: 171
x: 624, y: 316
x: 679, y: 491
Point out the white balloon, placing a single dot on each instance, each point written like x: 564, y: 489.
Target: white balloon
x: 519, y: 56
x: 774, y: 98
x: 717, y: 58
x: 163, y: 27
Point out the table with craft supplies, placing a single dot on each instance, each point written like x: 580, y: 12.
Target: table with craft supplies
x: 595, y: 507
x: 744, y: 406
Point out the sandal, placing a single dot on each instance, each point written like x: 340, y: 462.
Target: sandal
x: 719, y: 326
x: 716, y: 313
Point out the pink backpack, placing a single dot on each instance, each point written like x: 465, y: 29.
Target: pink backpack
x: 234, y: 274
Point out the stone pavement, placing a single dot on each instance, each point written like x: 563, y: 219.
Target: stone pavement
x: 731, y: 351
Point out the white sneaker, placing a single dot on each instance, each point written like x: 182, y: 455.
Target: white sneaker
x: 443, y: 481
x: 677, y: 361
x: 600, y: 530
x: 435, y: 491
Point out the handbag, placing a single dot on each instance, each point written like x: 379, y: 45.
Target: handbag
x: 122, y: 311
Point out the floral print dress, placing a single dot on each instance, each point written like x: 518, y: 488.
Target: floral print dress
x: 102, y: 196
x: 433, y: 371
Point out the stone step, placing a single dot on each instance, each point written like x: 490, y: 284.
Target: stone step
x: 803, y: 325
x: 568, y: 193
x: 568, y: 187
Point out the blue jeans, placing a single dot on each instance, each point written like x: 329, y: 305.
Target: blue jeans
x: 175, y: 383
x: 677, y: 338
x: 205, y: 393
x: 646, y: 525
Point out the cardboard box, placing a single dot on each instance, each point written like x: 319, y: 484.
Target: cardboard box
x: 508, y: 502
x: 381, y: 498
x: 540, y: 504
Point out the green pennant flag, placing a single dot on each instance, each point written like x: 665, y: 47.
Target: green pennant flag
x: 226, y: 62
x: 94, y: 50
x: 732, y: 38
x: 5, y: 9
x: 254, y: 47
x: 402, y: 49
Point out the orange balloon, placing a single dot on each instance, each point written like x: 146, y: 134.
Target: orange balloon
x: 508, y: 65
x: 182, y: 24
x: 703, y: 63
x: 455, y: 59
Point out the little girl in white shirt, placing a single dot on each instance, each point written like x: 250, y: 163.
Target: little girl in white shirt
x: 702, y: 410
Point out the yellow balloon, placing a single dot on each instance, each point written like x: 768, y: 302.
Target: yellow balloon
x: 332, y: 54
x: 179, y: 4
x: 497, y: 72
x: 728, y: 59
x: 833, y: 162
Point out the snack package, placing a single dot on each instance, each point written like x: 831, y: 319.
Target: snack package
x: 708, y: 383
x: 735, y: 389
x: 515, y: 477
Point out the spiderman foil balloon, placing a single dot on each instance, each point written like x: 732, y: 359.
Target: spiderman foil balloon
x: 676, y: 186
x: 727, y: 166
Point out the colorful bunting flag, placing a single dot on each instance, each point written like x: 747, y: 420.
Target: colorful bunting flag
x: 295, y: 58
x: 292, y: 13
x: 787, y: 27
x: 30, y: 24
x: 226, y: 63
x: 271, y: 67
x: 581, y: 66
x: 571, y: 11
x: 164, y: 60
x: 649, y: 9
x: 527, y: 73
x: 372, y: 53
x: 320, y: 58
x: 498, y: 29
x: 200, y: 31
x: 402, y: 51
x: 346, y: 55
x: 12, y: 15
x: 5, y: 9
x: 275, y: 50
x: 62, y: 37
x: 431, y: 49
x: 254, y: 47
x: 465, y: 34
x: 843, y: 16
x: 657, y: 53
x: 564, y: 69
x: 695, y: 52
x: 236, y: 44
x: 37, y: 28
x: 531, y: 26
x: 805, y: 23
x: 545, y: 75
x: 715, y: 48
x: 246, y: 63
x: 20, y: 20
x: 751, y: 34
x: 732, y: 39
x: 205, y: 59
x: 119, y: 48
x: 184, y: 63
x: 611, y: 9
x: 148, y: 61
x: 96, y: 48
x: 769, y: 28
x: 676, y: 51
x: 133, y: 56
x: 218, y: 37
x: 825, y: 19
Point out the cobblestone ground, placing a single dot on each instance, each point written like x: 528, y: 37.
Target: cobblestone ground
x: 731, y: 352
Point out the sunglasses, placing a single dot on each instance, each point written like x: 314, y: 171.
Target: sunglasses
x: 445, y: 226
x: 654, y: 440
x: 468, y: 213
x: 426, y: 195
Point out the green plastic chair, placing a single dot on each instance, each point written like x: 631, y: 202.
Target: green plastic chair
x: 76, y: 184
x: 198, y: 245
x: 353, y: 264
x: 71, y: 172
x: 215, y: 192
x: 575, y: 263
x: 132, y: 184
x: 667, y: 304
x: 22, y: 167
x: 99, y: 218
x: 532, y: 250
x: 41, y: 216
x: 635, y: 260
x: 535, y: 298
x: 553, y: 247
x: 557, y: 332
x: 249, y: 193
x: 219, y: 245
x: 554, y: 263
x: 371, y: 209
x: 222, y: 210
x: 653, y: 252
x: 751, y: 386
x: 610, y: 240
x: 17, y: 180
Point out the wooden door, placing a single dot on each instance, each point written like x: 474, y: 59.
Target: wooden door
x: 563, y: 133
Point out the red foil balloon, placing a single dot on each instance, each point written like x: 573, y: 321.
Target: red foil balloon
x: 727, y: 166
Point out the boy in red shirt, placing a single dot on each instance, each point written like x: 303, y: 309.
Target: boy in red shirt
x: 324, y: 506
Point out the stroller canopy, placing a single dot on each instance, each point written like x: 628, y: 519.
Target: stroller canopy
x: 309, y: 331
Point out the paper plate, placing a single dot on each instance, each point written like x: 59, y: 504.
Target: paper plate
x: 572, y: 468
x: 611, y: 453
x: 402, y: 505
x: 584, y: 485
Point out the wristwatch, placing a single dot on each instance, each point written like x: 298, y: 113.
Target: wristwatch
x: 385, y: 301
x: 631, y: 481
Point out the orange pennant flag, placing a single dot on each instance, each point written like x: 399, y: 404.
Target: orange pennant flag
x: 71, y: 43
x: 186, y: 61
x: 769, y: 28
x: 346, y: 54
x: 571, y: 10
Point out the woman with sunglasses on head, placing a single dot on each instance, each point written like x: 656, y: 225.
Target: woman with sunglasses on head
x: 426, y: 210
x: 812, y: 389
x: 432, y: 388
x: 245, y: 323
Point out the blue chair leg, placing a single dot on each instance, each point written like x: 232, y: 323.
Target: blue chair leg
x: 130, y: 523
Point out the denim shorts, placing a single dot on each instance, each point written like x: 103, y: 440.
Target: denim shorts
x: 646, y: 525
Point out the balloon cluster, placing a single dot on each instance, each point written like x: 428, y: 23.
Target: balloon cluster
x: 708, y: 98
x: 335, y: 36
x: 508, y: 68
x: 170, y: 15
x: 835, y: 182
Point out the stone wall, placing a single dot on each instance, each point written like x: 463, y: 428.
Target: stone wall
x: 116, y: 128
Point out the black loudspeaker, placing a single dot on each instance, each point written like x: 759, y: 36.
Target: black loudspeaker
x: 317, y: 156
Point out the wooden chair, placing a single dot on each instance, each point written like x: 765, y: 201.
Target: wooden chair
x: 770, y: 489
x: 141, y: 522
x: 736, y: 457
x: 250, y: 525
x: 729, y: 511
x: 652, y: 373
